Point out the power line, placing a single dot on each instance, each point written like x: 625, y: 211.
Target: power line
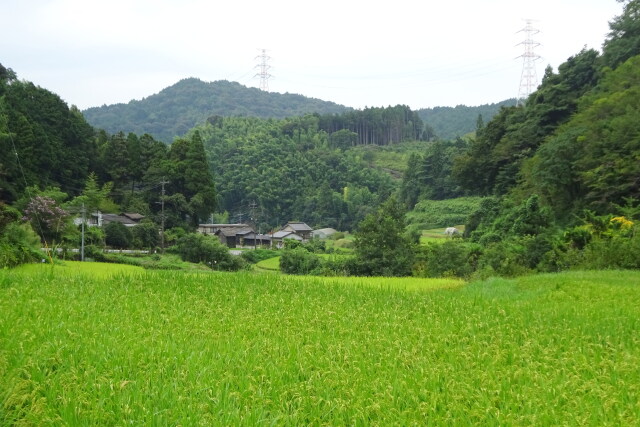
x: 26, y: 185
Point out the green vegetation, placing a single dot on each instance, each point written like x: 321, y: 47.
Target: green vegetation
x: 448, y: 123
x: 430, y: 214
x: 271, y: 264
x: 289, y: 169
x: 173, y: 348
x: 208, y: 250
x: 175, y: 110
x: 74, y: 269
x: 434, y: 235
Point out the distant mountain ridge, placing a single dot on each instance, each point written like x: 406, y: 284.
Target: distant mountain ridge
x: 178, y: 108
x: 451, y: 122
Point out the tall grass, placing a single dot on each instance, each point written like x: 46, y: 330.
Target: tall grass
x: 169, y: 348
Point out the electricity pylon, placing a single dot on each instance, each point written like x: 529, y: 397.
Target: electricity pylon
x: 264, y: 70
x: 529, y: 77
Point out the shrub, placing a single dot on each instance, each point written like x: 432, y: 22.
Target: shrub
x: 94, y: 236
x: 145, y: 235
x: 344, y: 244
x: 19, y: 244
x: 291, y: 243
x: 616, y: 252
x: 317, y: 246
x: 505, y: 258
x: 257, y: 255
x: 198, y: 248
x: 117, y: 235
x: 337, y: 235
x: 299, y: 261
x: 453, y: 258
x: 95, y: 253
x: 336, y: 266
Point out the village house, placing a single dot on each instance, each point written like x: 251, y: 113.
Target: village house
x: 243, y: 235
x: 299, y: 228
x: 99, y: 219
x: 233, y: 237
x: 213, y: 228
x: 278, y: 238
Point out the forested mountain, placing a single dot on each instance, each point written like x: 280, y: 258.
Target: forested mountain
x: 265, y: 171
x: 270, y: 171
x: 178, y: 108
x: 575, y: 143
x: 43, y: 141
x: 452, y: 122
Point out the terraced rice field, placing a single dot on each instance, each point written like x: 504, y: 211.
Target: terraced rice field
x: 169, y: 348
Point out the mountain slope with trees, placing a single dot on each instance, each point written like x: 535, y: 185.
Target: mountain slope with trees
x: 176, y: 109
x: 559, y: 175
x: 451, y: 122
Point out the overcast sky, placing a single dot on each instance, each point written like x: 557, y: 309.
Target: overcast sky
x: 422, y: 53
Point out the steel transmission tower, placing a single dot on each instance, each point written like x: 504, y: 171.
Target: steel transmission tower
x: 529, y: 77
x: 264, y: 67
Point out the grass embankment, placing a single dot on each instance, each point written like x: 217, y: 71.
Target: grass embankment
x: 74, y: 268
x: 269, y: 264
x: 236, y: 349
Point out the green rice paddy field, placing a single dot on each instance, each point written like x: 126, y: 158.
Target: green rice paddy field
x: 169, y: 348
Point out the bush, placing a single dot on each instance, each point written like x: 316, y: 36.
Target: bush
x: 344, y: 244
x: 198, y: 248
x: 145, y: 235
x: 19, y: 245
x: 616, y: 252
x: 337, y: 235
x: 506, y: 258
x: 257, y: 255
x: 299, y: 261
x: 95, y: 253
x: 317, y: 246
x: 93, y: 236
x: 336, y: 266
x: 452, y: 258
x: 291, y: 244
x: 117, y: 235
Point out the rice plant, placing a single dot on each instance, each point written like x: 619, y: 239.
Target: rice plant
x: 169, y: 348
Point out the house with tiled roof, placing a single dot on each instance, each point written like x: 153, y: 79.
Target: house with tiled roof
x: 299, y: 228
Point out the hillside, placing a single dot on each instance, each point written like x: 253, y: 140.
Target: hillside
x: 451, y: 122
x: 178, y: 108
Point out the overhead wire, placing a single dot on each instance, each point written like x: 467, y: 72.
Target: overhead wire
x: 27, y: 189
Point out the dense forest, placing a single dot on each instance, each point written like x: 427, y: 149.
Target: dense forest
x: 448, y: 123
x: 262, y: 171
x: 270, y: 171
x: 550, y: 184
x: 175, y: 110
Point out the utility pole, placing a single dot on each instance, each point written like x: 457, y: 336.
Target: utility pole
x: 253, y: 207
x: 82, y: 242
x: 264, y: 67
x: 163, y: 182
x: 529, y: 77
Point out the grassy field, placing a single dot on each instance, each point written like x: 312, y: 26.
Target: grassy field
x: 74, y: 268
x: 269, y: 264
x: 172, y: 348
x: 437, y: 234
